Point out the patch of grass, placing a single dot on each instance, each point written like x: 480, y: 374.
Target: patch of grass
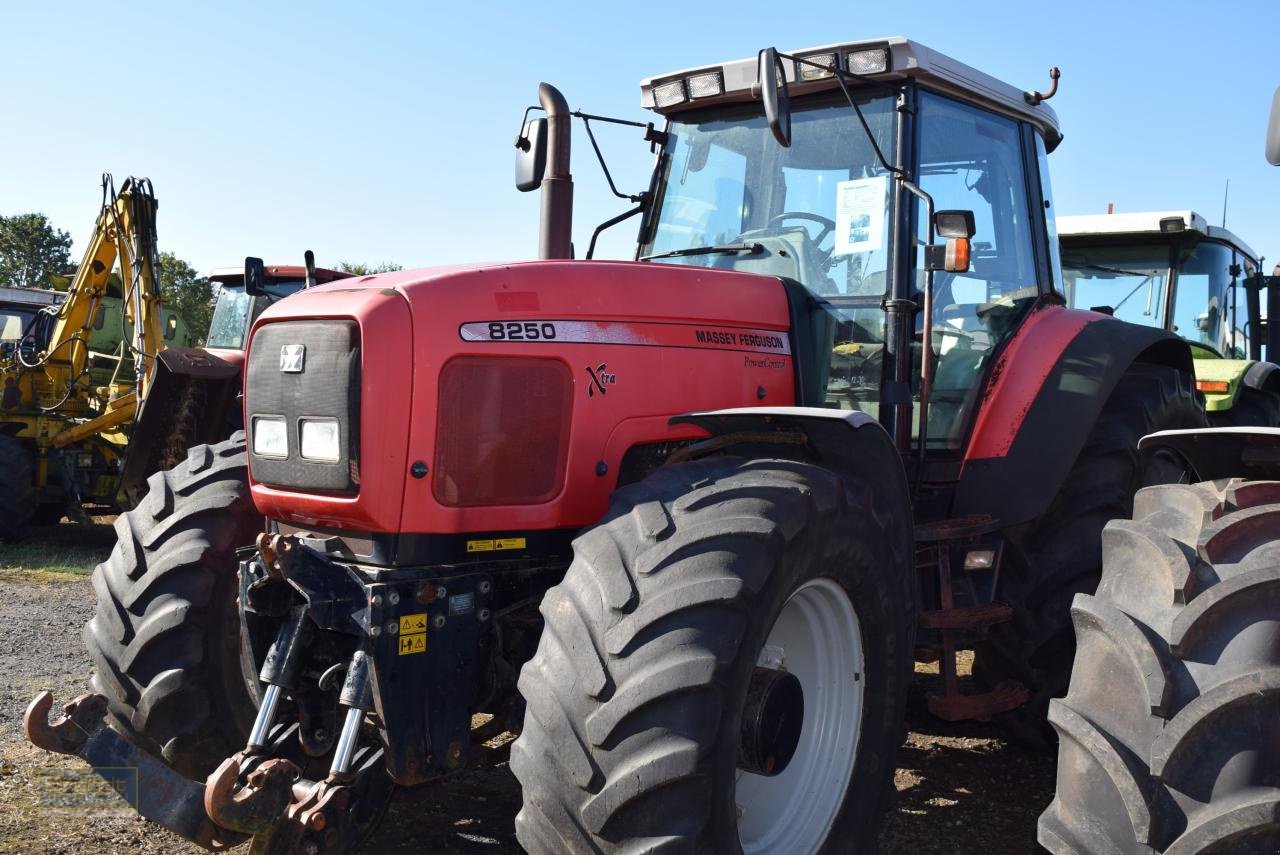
x: 56, y: 551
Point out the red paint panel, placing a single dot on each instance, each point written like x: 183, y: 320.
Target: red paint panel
x: 1019, y: 375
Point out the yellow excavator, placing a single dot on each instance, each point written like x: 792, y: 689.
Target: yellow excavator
x: 65, y: 408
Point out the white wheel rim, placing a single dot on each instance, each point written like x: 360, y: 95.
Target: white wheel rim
x: 818, y: 638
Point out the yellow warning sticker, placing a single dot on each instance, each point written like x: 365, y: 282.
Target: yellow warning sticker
x: 413, y: 623
x: 498, y: 545
x: 413, y: 643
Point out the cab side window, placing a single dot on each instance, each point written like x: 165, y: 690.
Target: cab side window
x: 971, y: 159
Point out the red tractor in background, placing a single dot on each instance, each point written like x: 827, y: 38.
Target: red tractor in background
x: 683, y: 523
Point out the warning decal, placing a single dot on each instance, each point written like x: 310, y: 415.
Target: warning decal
x: 416, y: 643
x: 500, y: 544
x: 413, y: 633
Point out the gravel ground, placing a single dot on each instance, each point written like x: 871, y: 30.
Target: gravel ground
x: 961, y: 789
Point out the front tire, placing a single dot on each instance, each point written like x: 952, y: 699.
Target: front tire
x: 164, y: 639
x: 1170, y: 726
x: 635, y: 696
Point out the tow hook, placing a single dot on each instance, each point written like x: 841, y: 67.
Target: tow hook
x: 159, y: 793
x: 249, y: 791
x: 70, y: 731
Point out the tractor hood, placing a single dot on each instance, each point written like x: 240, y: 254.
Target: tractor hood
x: 468, y: 398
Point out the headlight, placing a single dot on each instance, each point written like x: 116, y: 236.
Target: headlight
x: 320, y: 440
x: 270, y: 436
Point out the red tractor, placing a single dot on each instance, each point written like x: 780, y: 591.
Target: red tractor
x: 683, y: 523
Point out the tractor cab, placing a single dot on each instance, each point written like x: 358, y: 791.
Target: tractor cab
x: 841, y: 210
x: 236, y: 308
x: 1172, y: 270
x: 1166, y: 269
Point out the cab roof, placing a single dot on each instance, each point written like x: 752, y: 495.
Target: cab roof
x: 276, y: 272
x: 907, y: 59
x: 1147, y: 223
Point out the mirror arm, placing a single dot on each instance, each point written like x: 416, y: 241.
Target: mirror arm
x: 522, y: 141
x: 604, y: 167
x: 625, y: 215
x: 926, y: 344
x: 841, y: 75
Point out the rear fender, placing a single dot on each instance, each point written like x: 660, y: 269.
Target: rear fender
x: 193, y: 391
x: 845, y: 441
x: 1045, y: 393
x: 1227, y: 452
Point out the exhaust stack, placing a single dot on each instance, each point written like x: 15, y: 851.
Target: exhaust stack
x: 555, y: 231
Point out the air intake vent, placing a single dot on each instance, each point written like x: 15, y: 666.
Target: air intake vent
x: 503, y: 431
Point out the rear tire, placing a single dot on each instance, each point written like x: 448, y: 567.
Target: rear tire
x: 165, y: 638
x: 1170, y: 727
x: 635, y: 695
x: 1060, y: 555
x: 1252, y: 408
x: 17, y: 489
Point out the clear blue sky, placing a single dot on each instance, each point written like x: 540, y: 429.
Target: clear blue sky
x: 383, y: 131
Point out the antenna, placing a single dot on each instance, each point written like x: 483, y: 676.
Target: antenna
x: 1224, y: 203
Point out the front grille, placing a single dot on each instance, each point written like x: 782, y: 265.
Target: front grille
x: 301, y: 370
x: 502, y: 431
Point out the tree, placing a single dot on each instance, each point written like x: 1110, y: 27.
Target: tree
x: 188, y: 293
x: 368, y: 269
x: 32, y: 250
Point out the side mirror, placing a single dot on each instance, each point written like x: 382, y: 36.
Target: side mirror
x: 531, y: 155
x: 772, y: 81
x: 255, y: 277
x: 958, y: 228
x: 954, y: 224
x: 1273, y: 131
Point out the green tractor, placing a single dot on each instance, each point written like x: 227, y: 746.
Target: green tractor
x: 1172, y: 270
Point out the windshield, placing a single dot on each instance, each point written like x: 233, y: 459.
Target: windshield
x: 230, y: 318
x: 13, y: 322
x: 236, y: 311
x: 1201, y: 311
x: 818, y: 210
x: 1130, y: 281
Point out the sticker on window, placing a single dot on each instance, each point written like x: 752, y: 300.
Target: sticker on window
x: 860, y: 206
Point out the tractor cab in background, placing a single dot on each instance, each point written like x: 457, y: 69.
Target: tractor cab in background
x: 237, y: 307
x: 195, y: 391
x: 1172, y: 270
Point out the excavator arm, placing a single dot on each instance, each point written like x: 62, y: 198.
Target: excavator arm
x: 125, y: 231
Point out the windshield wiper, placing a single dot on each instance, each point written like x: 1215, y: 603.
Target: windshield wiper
x: 723, y: 249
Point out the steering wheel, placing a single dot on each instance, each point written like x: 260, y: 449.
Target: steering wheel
x: 828, y: 225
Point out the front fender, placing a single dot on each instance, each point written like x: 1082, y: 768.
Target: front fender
x: 1226, y: 452
x: 845, y: 441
